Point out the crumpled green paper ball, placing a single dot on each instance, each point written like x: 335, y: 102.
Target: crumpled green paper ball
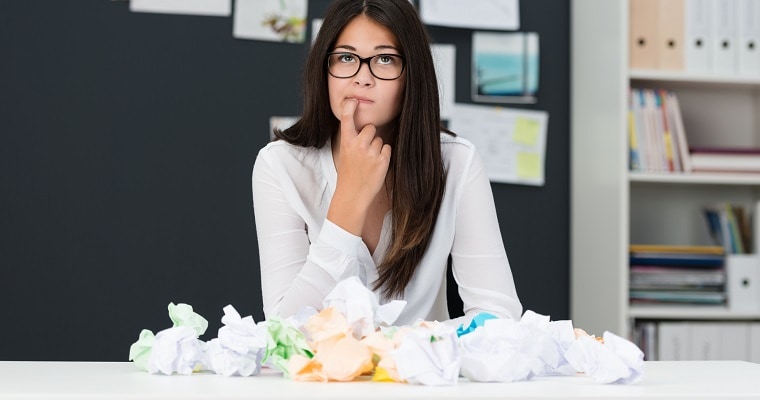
x: 286, y: 341
x: 139, y: 352
x: 182, y: 315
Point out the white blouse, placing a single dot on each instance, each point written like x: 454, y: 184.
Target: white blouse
x: 303, y: 255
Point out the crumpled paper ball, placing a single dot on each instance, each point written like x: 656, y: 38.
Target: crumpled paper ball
x: 177, y: 349
x: 239, y: 347
x: 382, y: 343
x: 361, y: 307
x: 338, y: 355
x: 287, y: 341
x: 183, y: 315
x: 428, y: 354
x: 139, y: 351
x: 502, y: 350
x: 615, y: 361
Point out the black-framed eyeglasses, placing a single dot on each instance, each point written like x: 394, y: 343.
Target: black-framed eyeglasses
x: 386, y: 67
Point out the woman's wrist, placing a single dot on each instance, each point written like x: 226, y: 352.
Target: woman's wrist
x: 348, y: 212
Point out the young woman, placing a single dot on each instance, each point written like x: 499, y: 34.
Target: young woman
x: 366, y: 184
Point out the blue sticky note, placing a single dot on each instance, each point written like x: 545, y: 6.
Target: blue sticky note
x: 477, y: 321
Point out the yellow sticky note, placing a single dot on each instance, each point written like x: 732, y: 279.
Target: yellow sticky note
x: 528, y: 165
x: 526, y: 131
x: 381, y: 375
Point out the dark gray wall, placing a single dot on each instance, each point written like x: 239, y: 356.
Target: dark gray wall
x: 126, y: 146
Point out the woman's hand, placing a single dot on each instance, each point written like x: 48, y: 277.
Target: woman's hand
x: 363, y: 161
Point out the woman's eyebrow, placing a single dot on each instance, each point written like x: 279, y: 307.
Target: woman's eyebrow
x: 385, y: 47
x: 345, y: 46
x: 352, y: 48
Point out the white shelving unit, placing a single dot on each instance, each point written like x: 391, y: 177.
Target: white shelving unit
x: 701, y: 313
x: 701, y: 80
x: 612, y: 207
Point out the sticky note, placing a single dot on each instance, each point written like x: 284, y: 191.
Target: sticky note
x: 526, y: 131
x: 528, y: 165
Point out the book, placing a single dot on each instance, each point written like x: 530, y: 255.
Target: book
x: 664, y: 248
x: 716, y: 223
x: 633, y: 143
x: 737, y: 245
x: 677, y: 296
x: 653, y: 277
x: 669, y: 259
x: 745, y: 230
x: 671, y: 161
x: 656, y: 133
x: 656, y: 138
x: 728, y: 226
x: 725, y: 159
x: 674, y: 110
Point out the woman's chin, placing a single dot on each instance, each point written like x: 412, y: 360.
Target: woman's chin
x: 360, y: 123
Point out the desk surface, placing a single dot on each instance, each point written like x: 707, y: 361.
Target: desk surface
x: 84, y: 380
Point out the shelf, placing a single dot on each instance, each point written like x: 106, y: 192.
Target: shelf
x: 690, y: 313
x: 646, y: 207
x: 698, y: 178
x: 690, y: 79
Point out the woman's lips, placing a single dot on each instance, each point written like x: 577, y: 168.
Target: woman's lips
x: 361, y: 100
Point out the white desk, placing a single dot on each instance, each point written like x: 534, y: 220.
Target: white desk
x: 82, y: 380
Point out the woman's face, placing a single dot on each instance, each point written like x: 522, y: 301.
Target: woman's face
x: 379, y: 100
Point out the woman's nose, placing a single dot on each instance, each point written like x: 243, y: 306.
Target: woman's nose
x: 364, y: 77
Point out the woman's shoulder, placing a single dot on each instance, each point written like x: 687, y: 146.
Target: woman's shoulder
x: 456, y: 148
x: 294, y: 160
x: 283, y: 147
x: 456, y: 141
x: 283, y: 151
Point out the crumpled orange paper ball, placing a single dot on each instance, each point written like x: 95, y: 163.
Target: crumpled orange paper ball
x: 338, y: 356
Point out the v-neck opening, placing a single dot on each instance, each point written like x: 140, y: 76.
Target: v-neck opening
x: 382, y: 243
x: 331, y: 174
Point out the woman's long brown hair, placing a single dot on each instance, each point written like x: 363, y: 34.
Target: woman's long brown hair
x: 416, y: 177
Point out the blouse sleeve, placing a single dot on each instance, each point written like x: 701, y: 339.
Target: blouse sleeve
x: 479, y: 260
x: 294, y: 272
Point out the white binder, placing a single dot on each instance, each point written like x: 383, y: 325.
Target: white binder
x: 697, y: 36
x: 754, y: 345
x: 748, y: 22
x: 743, y: 277
x: 725, y: 54
x: 674, y: 341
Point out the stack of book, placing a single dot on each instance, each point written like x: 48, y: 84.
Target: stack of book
x: 662, y: 274
x: 657, y: 141
x: 725, y: 159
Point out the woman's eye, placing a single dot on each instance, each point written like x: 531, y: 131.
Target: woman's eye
x: 346, y: 58
x: 385, y: 60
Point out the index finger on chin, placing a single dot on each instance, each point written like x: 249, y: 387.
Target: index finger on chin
x: 347, y: 117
